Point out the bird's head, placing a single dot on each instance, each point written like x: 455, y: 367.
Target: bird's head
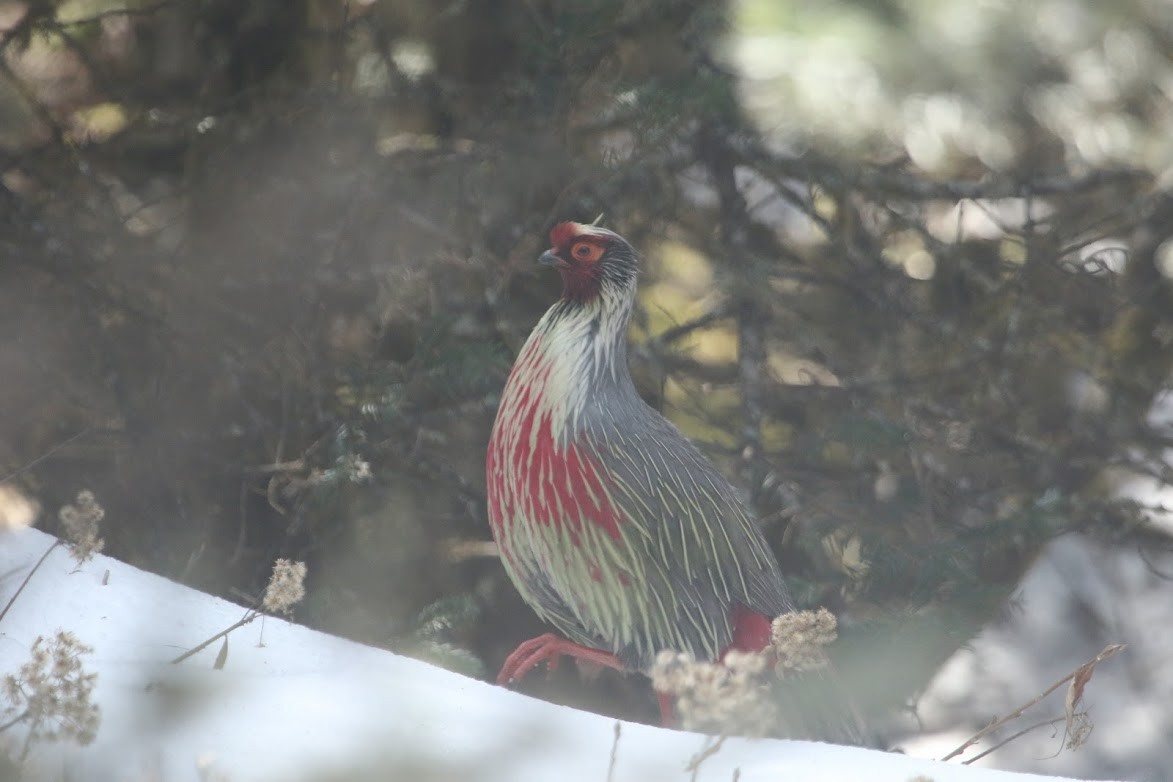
x: 592, y: 261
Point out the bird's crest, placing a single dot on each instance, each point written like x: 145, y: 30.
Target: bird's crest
x: 563, y: 234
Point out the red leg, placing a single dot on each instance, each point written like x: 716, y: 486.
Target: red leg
x: 548, y: 649
x: 667, y: 712
x: 751, y: 631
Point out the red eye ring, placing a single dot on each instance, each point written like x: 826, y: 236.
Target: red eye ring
x: 587, y: 252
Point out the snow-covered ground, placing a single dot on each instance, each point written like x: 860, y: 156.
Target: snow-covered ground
x: 292, y: 704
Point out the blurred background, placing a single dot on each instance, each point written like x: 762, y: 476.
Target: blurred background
x: 908, y: 279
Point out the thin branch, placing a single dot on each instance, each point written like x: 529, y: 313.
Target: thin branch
x: 1152, y: 566
x: 46, y: 455
x: 1017, y: 735
x: 463, y: 549
x: 1109, y: 651
x: 735, y: 237
x: 27, y: 578
x: 751, y: 360
x: 614, y: 752
x: 895, y: 183
x: 678, y: 332
x: 694, y: 765
x: 21, y: 717
x: 249, y: 616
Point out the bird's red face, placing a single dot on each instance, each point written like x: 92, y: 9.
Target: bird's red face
x: 575, y: 247
x: 585, y: 255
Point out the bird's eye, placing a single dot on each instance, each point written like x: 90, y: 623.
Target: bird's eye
x: 587, y: 252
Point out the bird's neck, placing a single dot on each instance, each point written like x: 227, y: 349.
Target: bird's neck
x: 576, y: 354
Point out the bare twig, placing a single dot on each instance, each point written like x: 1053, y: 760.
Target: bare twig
x: 678, y: 332
x: 736, y: 225
x: 462, y: 549
x: 1009, y: 739
x: 914, y: 187
x: 751, y: 359
x: 46, y: 455
x: 296, y: 465
x: 891, y: 181
x: 27, y: 578
x: 249, y: 616
x: 694, y: 765
x: 1083, y: 671
x: 1152, y: 566
x: 614, y: 752
x: 20, y: 717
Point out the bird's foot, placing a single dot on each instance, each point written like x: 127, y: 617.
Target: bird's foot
x: 549, y: 648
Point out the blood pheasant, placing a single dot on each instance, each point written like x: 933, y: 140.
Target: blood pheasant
x: 611, y: 524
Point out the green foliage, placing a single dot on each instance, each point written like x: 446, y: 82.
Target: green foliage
x: 435, y: 628
x: 444, y: 369
x: 868, y: 432
x: 456, y: 368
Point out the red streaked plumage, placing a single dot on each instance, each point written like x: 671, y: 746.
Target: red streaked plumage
x: 611, y: 524
x: 556, y: 481
x: 562, y: 484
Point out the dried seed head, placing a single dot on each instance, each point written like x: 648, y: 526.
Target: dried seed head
x: 799, y: 639
x: 728, y: 697
x: 286, y: 586
x: 52, y: 691
x: 80, y: 522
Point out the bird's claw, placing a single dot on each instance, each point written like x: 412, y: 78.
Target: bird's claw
x: 549, y: 648
x: 530, y: 654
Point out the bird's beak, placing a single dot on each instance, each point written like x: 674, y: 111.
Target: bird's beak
x: 548, y: 258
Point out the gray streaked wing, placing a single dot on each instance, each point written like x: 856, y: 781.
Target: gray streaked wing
x: 692, y: 534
